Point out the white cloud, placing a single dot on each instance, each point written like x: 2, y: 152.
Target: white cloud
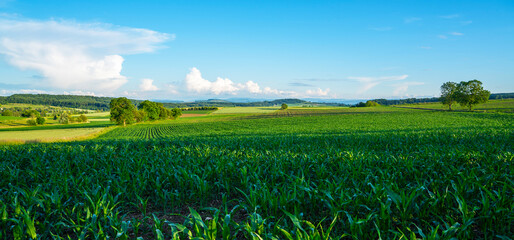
x: 317, y: 92
x: 370, y: 82
x: 147, y: 85
x: 73, y: 55
x: 81, y: 93
x: 442, y: 36
x: 194, y: 82
x: 456, y: 33
x: 466, y: 22
x: 426, y: 47
x: 251, y: 87
x: 171, y: 88
x: 401, y: 88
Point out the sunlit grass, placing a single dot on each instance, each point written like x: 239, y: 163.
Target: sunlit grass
x: 237, y: 110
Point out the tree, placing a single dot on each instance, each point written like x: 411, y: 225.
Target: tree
x: 370, y: 103
x: 7, y: 113
x: 176, y: 113
x: 64, y: 119
x: 471, y: 93
x: 283, y: 107
x: 164, y: 113
x: 360, y: 104
x: 40, y: 120
x: 83, y: 118
x: 151, y: 109
x: 140, y: 115
x: 449, y: 94
x: 31, y: 122
x: 122, y: 111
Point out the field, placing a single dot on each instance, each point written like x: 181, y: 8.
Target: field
x: 232, y: 110
x: 491, y: 106
x: 48, y: 135
x: 52, y: 132
x: 303, y: 173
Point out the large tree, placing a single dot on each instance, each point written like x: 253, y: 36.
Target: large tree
x: 122, y: 111
x: 449, y: 94
x: 471, y: 93
x: 151, y: 109
x: 176, y: 113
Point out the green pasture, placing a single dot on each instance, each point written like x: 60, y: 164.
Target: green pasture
x: 506, y: 105
x: 198, y: 111
x: 10, y: 118
x: 98, y: 115
x: 240, y: 110
x: 47, y: 135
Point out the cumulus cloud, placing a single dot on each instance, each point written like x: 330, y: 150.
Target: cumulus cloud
x: 71, y: 55
x: 250, y: 86
x: 401, y: 88
x: 171, y: 88
x: 147, y: 85
x: 370, y: 82
x: 194, y: 82
x: 81, y: 93
x: 317, y: 92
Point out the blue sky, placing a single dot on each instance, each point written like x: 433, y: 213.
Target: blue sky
x: 187, y: 50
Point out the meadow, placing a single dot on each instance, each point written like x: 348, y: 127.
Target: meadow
x: 504, y: 105
x: 52, y: 132
x: 232, y: 110
x: 303, y: 173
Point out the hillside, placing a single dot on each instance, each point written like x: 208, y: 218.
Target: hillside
x: 102, y: 103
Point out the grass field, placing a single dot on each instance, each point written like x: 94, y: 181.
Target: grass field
x: 10, y: 118
x: 198, y: 111
x: 351, y: 173
x: 51, y: 132
x: 47, y: 135
x: 506, y: 105
x: 237, y: 110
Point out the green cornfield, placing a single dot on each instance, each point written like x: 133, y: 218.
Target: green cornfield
x: 375, y: 173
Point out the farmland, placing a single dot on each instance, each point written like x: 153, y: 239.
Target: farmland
x: 356, y: 173
x: 504, y: 105
x: 232, y: 110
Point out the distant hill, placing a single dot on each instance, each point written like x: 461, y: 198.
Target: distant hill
x: 70, y: 101
x: 102, y: 103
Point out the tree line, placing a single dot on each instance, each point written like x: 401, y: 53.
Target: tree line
x: 123, y: 111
